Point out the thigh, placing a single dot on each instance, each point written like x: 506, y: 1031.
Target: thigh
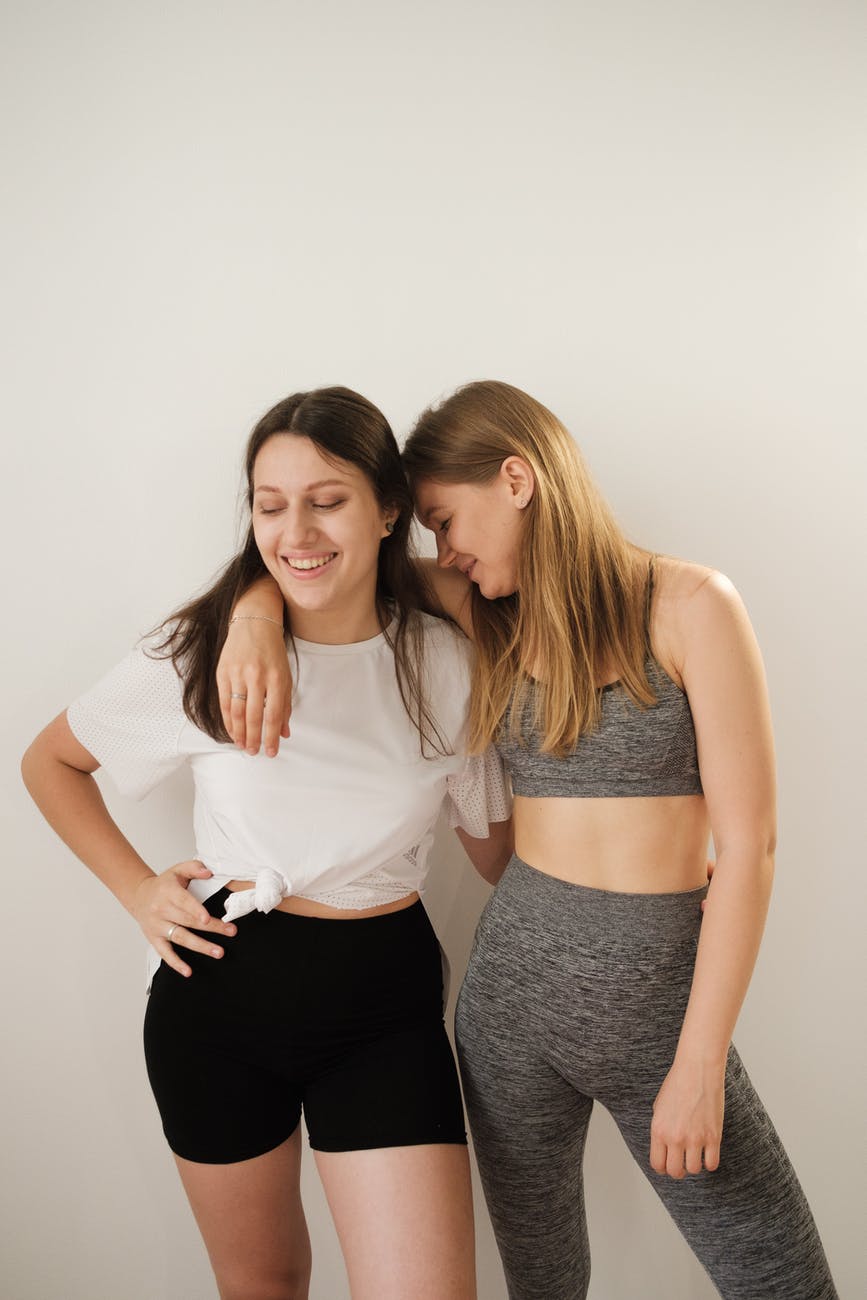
x: 220, y: 1099
x: 252, y: 1222
x: 212, y: 1045
x: 529, y: 1128
x: 404, y: 1217
x: 394, y: 1089
x: 748, y: 1221
x: 381, y: 1072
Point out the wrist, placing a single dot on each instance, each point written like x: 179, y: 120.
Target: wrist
x: 703, y: 1058
x: 131, y: 900
x: 257, y: 618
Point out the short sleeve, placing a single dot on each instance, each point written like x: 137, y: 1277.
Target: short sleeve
x: 131, y: 722
x: 479, y: 794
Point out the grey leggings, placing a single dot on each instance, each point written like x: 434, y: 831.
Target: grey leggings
x: 574, y: 995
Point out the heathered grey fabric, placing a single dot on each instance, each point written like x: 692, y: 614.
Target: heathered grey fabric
x: 576, y: 995
x: 633, y: 751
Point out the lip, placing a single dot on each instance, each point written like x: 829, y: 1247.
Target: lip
x: 308, y: 575
x: 468, y: 571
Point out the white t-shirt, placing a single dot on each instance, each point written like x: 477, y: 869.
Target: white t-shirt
x: 345, y: 812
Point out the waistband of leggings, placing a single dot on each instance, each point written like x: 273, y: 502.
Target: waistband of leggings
x: 622, y: 920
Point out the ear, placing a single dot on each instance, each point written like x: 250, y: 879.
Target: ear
x: 517, y: 476
x: 390, y: 519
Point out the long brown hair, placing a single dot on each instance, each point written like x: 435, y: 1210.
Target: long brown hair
x: 344, y: 427
x: 581, y: 601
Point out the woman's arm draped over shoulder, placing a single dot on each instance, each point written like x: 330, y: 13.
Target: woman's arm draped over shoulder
x: 253, y: 676
x: 725, y: 682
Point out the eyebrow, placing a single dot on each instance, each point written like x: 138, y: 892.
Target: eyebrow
x: 426, y: 514
x: 311, y: 487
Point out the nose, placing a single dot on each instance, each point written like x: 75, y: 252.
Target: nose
x: 299, y: 527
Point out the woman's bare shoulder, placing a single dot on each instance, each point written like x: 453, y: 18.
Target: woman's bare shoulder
x: 688, y: 598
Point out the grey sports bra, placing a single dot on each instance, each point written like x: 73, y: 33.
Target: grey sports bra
x: 633, y: 751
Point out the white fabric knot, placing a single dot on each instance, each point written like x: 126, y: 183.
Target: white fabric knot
x: 270, y: 888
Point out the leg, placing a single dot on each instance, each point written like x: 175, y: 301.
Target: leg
x: 404, y: 1216
x: 385, y: 1117
x: 529, y: 1128
x: 237, y: 1141
x: 252, y: 1222
x: 748, y: 1222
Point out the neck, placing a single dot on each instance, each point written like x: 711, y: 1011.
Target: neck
x: 327, y: 627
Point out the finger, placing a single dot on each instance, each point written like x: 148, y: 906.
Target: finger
x: 187, y: 939
x: 224, y: 691
x: 255, y: 711
x: 180, y: 904
x: 170, y: 957
x: 674, y: 1161
x: 657, y: 1153
x: 276, y: 719
x: 693, y: 1159
x: 238, y: 715
x: 192, y: 869
x: 711, y: 1156
x: 216, y: 926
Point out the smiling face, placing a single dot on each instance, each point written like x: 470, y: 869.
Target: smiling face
x: 318, y: 527
x: 479, y: 527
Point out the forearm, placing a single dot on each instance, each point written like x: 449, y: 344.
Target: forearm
x: 490, y: 856
x: 447, y: 593
x: 731, y: 931
x: 73, y: 806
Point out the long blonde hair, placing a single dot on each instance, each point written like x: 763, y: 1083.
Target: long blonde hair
x: 581, y: 602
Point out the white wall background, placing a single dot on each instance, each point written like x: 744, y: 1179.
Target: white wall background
x: 651, y: 216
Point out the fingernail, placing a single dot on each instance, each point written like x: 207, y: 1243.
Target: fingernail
x: 270, y: 751
x: 216, y: 952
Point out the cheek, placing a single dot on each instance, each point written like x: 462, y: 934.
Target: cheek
x: 265, y: 538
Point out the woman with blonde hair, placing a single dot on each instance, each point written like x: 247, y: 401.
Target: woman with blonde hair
x: 626, y: 693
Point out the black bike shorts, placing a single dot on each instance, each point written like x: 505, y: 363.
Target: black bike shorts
x: 340, y: 1018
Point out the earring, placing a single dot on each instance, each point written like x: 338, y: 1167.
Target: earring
x: 389, y: 527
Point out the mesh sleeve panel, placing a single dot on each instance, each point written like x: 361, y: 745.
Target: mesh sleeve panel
x: 131, y: 722
x: 479, y: 794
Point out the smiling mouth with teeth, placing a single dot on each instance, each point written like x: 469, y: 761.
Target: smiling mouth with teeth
x: 315, y: 562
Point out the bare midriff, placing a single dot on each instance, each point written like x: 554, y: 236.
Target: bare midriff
x: 653, y: 845
x: 309, y: 906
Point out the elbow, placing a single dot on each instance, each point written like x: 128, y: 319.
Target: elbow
x: 502, y: 858
x: 29, y: 763
x: 753, y: 854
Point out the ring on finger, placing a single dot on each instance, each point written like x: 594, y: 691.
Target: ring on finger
x: 237, y: 695
x: 171, y: 931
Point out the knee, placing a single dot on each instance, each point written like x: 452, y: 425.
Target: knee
x: 247, y: 1283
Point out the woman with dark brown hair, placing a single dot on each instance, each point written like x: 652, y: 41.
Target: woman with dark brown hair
x: 293, y: 964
